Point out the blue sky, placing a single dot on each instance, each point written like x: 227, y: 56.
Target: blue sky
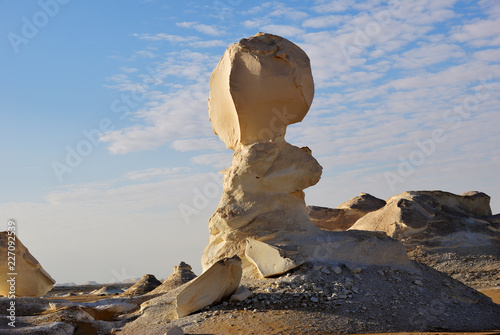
x: 110, y: 165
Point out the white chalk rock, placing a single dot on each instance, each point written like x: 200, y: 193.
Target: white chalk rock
x: 261, y: 85
x: 219, y: 282
x: 241, y: 294
x: 31, y: 280
x: 271, y: 260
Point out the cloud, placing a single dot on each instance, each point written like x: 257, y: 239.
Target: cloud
x: 145, y: 53
x: 428, y: 54
x: 202, y: 28
x: 336, y: 6
x: 323, y: 21
x: 148, y: 174
x: 282, y: 30
x: 481, y: 33
x: 218, y: 161
x: 128, y: 69
x: 210, y: 143
x: 166, y: 37
x: 168, y: 112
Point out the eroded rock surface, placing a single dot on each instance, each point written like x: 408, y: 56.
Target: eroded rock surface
x: 261, y: 85
x: 345, y: 215
x: 31, y: 279
x: 217, y: 283
x: 146, y: 284
x: 271, y: 260
x: 263, y: 198
x: 455, y: 234
x: 182, y: 274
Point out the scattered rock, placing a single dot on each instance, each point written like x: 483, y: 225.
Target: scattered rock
x: 106, y: 290
x: 146, y: 284
x: 418, y: 282
x: 31, y: 279
x: 337, y: 270
x: 182, y: 274
x: 271, y: 260
x: 176, y: 330
x: 217, y: 283
x: 241, y: 294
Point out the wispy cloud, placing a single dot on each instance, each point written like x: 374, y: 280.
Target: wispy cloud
x: 148, y: 174
x: 202, y: 28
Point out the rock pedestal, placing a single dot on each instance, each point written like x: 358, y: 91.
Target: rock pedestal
x: 260, y: 86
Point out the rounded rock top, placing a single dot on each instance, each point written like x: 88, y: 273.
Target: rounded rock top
x: 260, y: 86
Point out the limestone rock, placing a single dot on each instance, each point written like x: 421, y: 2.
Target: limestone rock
x: 31, y: 279
x: 271, y: 260
x: 261, y: 85
x: 241, y: 294
x: 345, y: 215
x: 217, y: 283
x: 263, y: 197
x: 146, y: 284
x: 107, y: 290
x: 437, y: 212
x: 182, y: 274
x: 454, y: 234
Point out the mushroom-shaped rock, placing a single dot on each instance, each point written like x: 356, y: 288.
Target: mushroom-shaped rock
x: 261, y: 85
x: 30, y: 279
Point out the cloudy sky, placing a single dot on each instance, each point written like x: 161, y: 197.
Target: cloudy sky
x: 109, y: 162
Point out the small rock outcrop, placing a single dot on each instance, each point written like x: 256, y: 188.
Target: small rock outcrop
x: 107, y: 290
x: 146, y: 284
x: 16, y: 262
x: 431, y: 213
x: 455, y: 234
x: 182, y: 274
x: 219, y: 282
x: 241, y: 294
x: 345, y: 215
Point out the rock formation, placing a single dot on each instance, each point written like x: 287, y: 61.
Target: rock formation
x: 107, y: 290
x: 453, y: 233
x: 146, y: 284
x: 436, y: 212
x: 219, y: 282
x: 182, y: 274
x: 31, y: 280
x: 271, y: 261
x: 345, y: 215
x: 261, y: 85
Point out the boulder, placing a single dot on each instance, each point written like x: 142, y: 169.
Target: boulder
x: 428, y: 212
x: 219, y: 282
x: 345, y: 215
x: 261, y: 85
x: 455, y: 234
x: 107, y: 290
x: 241, y: 294
x: 16, y: 262
x: 182, y: 274
x: 146, y: 284
x: 272, y: 260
